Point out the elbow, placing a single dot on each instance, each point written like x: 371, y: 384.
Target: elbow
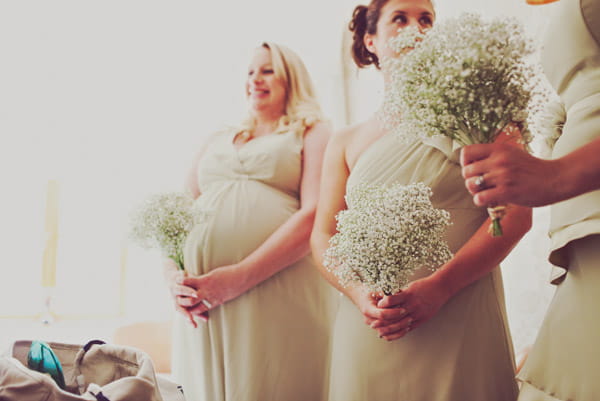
x: 316, y: 247
x: 307, y: 216
x: 319, y: 241
x: 305, y: 219
x: 314, y: 240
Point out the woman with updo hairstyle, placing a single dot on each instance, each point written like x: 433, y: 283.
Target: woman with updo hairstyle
x: 255, y: 314
x: 444, y: 336
x: 364, y: 20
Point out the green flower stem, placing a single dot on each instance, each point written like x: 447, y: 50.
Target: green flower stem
x: 178, y: 258
x: 496, y: 228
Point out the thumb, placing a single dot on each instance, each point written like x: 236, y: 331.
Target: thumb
x: 472, y: 153
x: 391, y: 301
x: 193, y: 282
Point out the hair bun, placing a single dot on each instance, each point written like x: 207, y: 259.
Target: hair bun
x: 358, y: 26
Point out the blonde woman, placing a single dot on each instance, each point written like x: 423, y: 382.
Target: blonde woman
x: 251, y: 280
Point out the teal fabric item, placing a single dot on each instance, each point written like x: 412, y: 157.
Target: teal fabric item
x: 42, y: 359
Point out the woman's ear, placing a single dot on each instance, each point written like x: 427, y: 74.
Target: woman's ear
x: 369, y: 42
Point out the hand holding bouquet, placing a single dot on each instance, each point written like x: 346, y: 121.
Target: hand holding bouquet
x: 385, y: 235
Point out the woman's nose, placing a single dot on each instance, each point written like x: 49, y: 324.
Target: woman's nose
x: 256, y: 77
x: 416, y: 24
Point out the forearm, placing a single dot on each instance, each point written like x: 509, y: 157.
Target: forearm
x: 483, y: 252
x: 578, y: 172
x: 288, y: 244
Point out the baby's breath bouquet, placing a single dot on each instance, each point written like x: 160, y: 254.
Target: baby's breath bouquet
x: 163, y: 221
x: 385, y: 235
x: 466, y: 78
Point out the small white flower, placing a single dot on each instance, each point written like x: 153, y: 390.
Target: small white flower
x: 385, y: 235
x: 163, y: 222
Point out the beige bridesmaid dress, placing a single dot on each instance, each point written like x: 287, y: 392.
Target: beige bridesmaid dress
x: 464, y: 353
x: 564, y: 363
x: 271, y: 343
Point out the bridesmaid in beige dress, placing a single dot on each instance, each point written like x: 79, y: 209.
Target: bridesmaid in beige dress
x: 565, y: 359
x: 445, y: 337
x: 265, y: 335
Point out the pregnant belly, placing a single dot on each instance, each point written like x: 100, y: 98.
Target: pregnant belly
x: 238, y: 219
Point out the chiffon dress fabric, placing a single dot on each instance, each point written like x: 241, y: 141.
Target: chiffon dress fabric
x: 463, y: 353
x: 564, y: 362
x: 272, y: 342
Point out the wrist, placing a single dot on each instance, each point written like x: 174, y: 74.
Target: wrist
x: 562, y: 180
x: 244, y: 275
x: 443, y: 283
x: 353, y: 292
x: 572, y: 177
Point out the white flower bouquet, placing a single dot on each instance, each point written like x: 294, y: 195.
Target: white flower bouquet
x: 467, y: 79
x: 163, y: 222
x: 385, y: 235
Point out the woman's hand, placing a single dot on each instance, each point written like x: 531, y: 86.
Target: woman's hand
x: 367, y: 304
x: 421, y: 300
x: 181, y: 294
x: 501, y: 174
x: 214, y: 288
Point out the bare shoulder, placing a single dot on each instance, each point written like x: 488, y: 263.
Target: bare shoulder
x: 349, y: 134
x: 320, y: 127
x: 356, y: 138
x: 321, y: 130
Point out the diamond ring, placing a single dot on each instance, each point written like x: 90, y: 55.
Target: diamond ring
x: 480, y: 181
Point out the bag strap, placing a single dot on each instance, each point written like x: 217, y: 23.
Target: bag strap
x: 91, y: 343
x: 100, y: 397
x: 77, y: 367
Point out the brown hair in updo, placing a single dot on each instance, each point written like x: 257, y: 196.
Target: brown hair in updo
x: 364, y: 20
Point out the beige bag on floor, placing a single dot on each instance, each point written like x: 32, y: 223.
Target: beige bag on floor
x: 95, y: 372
